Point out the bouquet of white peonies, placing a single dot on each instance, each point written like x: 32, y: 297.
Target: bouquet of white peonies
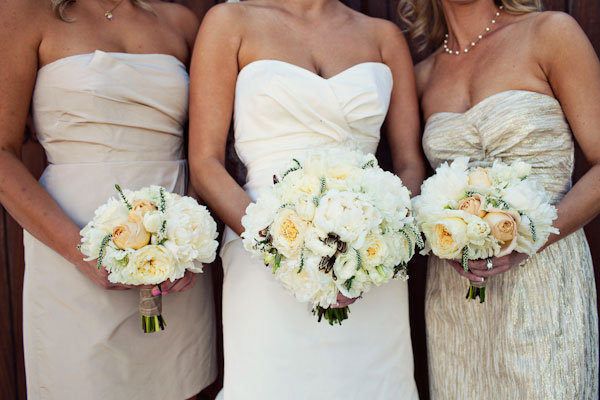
x: 334, y: 223
x: 146, y: 237
x: 476, y: 213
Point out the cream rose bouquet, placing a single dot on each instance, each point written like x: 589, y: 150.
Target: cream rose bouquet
x: 334, y: 223
x: 476, y: 213
x: 146, y: 237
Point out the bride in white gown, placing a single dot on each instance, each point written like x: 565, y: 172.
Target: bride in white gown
x: 300, y: 74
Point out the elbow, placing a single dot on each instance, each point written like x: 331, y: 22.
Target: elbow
x: 201, y: 171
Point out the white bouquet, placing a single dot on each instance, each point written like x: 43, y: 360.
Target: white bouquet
x: 147, y: 237
x: 335, y: 223
x: 476, y: 213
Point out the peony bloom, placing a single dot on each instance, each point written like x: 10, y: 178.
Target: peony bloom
x: 346, y: 215
x: 191, y: 231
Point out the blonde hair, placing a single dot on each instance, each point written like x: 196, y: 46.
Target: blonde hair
x: 59, y: 7
x: 427, y: 25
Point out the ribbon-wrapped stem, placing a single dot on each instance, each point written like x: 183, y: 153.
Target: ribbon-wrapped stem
x: 151, y: 310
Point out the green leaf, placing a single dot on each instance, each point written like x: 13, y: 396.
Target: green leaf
x: 277, y: 261
x: 123, y: 196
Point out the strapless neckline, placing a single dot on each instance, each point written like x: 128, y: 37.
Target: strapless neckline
x: 112, y: 53
x: 308, y: 72
x: 490, y: 98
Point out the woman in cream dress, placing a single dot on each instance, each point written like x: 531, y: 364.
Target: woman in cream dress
x: 300, y: 74
x: 525, y: 90
x: 107, y: 109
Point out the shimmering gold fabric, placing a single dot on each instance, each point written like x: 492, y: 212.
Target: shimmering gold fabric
x: 536, y: 336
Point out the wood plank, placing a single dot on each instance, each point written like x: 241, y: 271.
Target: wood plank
x: 587, y: 13
x: 556, y: 5
x: 8, y: 378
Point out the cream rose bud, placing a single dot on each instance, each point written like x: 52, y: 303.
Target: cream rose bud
x: 374, y: 251
x: 447, y: 237
x: 477, y: 230
x: 504, y: 226
x: 130, y: 235
x: 480, y: 178
x: 288, y: 231
x: 151, y: 266
x: 346, y: 264
x: 139, y: 208
x: 153, y: 221
x: 380, y: 274
x: 473, y: 205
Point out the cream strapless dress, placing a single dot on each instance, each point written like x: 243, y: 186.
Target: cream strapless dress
x: 536, y: 335
x: 106, y: 118
x: 274, y: 347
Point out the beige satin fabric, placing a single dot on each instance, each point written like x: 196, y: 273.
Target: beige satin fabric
x: 274, y: 347
x: 536, y: 335
x: 106, y: 118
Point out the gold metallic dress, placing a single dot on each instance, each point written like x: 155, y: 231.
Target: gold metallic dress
x: 536, y: 335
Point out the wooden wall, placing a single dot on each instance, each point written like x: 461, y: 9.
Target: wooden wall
x: 12, y: 376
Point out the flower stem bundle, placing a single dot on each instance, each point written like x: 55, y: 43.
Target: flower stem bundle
x: 477, y: 213
x: 147, y: 237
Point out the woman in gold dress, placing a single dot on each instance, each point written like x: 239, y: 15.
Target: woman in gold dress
x: 510, y: 82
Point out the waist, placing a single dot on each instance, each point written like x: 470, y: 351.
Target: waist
x: 107, y: 144
x: 80, y: 188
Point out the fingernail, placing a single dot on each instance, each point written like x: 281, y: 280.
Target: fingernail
x: 155, y: 292
x: 481, y: 279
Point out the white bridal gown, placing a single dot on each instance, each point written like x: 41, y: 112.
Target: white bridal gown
x: 106, y: 118
x: 274, y: 347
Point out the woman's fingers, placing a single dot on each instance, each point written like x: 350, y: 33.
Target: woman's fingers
x: 469, y: 275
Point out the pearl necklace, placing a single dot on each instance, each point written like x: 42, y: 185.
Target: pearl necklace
x: 474, y: 42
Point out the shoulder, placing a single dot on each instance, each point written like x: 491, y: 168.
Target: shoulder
x: 179, y: 17
x: 382, y: 29
x: 226, y: 17
x: 389, y: 37
x: 549, y: 22
x: 17, y: 16
x: 557, y: 37
x: 229, y: 13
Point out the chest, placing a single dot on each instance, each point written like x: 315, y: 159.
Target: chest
x: 149, y: 35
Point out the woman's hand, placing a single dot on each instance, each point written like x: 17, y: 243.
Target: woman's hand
x: 478, y: 269
x: 99, y: 276
x: 180, y: 285
x: 343, y: 301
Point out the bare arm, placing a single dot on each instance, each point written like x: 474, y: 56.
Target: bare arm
x: 213, y: 76
x: 402, y: 122
x: 573, y: 71
x: 22, y: 196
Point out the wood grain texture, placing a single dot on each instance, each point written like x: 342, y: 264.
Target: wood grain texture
x: 12, y: 378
